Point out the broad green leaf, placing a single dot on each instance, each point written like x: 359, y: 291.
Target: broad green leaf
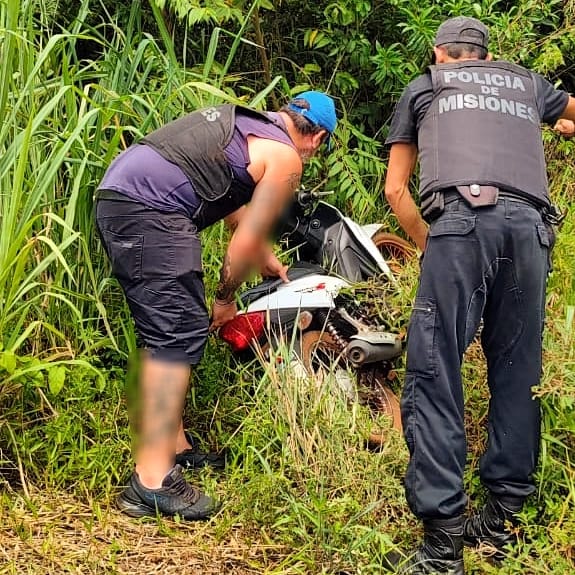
x: 8, y: 361
x: 56, y: 379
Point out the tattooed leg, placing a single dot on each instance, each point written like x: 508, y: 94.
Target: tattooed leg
x: 162, y: 388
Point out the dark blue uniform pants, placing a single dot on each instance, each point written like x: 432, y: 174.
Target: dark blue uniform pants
x: 489, y: 263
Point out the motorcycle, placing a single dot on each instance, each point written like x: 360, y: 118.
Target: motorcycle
x: 317, y: 311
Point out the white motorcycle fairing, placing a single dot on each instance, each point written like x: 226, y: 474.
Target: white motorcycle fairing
x: 364, y: 234
x: 309, y: 292
x: 371, y: 229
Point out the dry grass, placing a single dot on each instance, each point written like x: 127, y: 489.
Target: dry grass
x: 56, y: 533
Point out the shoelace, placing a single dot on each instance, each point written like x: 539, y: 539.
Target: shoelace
x: 183, y: 489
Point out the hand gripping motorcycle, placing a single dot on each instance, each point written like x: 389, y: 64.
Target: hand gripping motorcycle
x: 333, y: 330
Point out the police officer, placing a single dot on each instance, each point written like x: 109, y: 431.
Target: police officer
x: 474, y: 123
x: 224, y: 162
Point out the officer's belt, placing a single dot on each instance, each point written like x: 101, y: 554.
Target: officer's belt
x: 451, y: 195
x: 432, y: 205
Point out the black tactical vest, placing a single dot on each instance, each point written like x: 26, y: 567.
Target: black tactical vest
x: 196, y: 144
x: 482, y: 127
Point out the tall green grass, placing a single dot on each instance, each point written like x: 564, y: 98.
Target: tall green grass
x: 300, y: 480
x: 64, y: 118
x: 62, y: 320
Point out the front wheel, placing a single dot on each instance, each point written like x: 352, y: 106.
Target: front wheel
x: 321, y: 353
x: 395, y: 250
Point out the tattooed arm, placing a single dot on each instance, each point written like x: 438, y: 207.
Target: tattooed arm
x: 248, y: 247
x: 275, y: 189
x: 231, y: 278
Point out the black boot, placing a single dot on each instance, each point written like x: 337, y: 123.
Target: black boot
x: 491, y: 528
x: 440, y: 554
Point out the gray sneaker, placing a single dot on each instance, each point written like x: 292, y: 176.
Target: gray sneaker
x: 175, y: 497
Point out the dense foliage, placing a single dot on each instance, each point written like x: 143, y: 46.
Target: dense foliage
x: 80, y: 80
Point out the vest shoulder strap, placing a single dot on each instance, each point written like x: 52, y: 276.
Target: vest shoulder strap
x: 261, y: 116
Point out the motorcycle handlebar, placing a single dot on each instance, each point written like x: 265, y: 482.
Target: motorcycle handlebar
x: 305, y: 198
x: 294, y: 216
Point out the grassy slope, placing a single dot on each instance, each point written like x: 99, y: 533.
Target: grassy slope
x: 301, y: 493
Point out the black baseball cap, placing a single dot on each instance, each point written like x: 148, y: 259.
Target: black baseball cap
x: 463, y: 29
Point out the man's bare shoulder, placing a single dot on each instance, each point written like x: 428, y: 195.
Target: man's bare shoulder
x: 268, y: 154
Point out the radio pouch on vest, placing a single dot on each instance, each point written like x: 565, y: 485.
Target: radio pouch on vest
x: 478, y: 196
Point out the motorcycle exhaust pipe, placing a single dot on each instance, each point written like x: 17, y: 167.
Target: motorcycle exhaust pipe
x: 360, y: 350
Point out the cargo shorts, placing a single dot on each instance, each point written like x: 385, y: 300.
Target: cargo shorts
x: 156, y: 257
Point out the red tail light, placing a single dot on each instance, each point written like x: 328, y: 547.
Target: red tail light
x: 240, y: 331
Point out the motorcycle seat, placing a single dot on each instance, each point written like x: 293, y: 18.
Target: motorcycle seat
x: 269, y: 285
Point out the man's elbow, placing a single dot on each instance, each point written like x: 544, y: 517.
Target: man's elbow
x: 393, y: 193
